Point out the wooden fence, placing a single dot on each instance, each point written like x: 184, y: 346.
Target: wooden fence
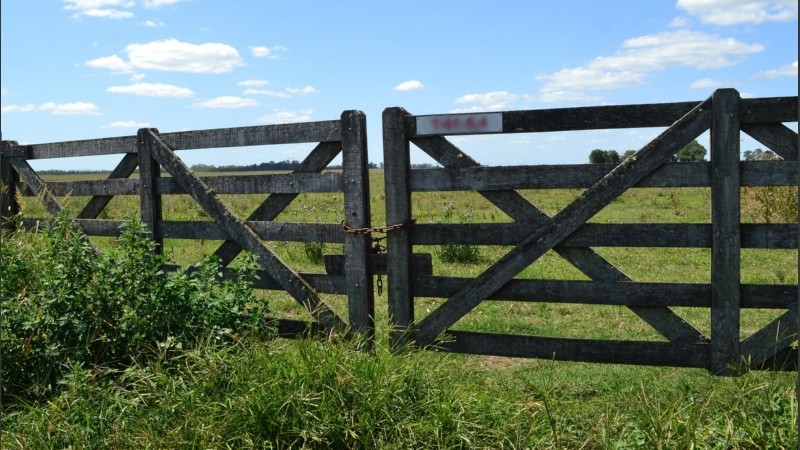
x: 151, y: 151
x: 533, y: 233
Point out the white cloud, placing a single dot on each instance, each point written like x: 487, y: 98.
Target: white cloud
x: 680, y: 22
x: 138, y: 77
x: 733, y: 12
x: 410, y: 85
x: 131, y: 124
x: 226, y: 102
x: 76, y: 108
x: 113, y: 63
x: 709, y: 83
x: 253, y: 83
x: 152, y: 24
x: 262, y: 51
x: 152, y: 90
x: 3, y: 91
x: 108, y: 9
x: 789, y: 70
x: 268, y: 93
x: 156, y: 4
x: 490, y: 101
x: 302, y: 91
x: 172, y: 55
x: 287, y: 117
x: 638, y: 57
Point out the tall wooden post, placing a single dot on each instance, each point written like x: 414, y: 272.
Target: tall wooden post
x: 149, y: 195
x: 355, y: 163
x: 725, y: 219
x: 398, y: 210
x: 9, y: 182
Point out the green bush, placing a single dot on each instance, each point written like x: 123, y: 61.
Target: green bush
x: 63, y: 305
x: 459, y: 253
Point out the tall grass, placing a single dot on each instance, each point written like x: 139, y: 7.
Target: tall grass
x: 253, y: 392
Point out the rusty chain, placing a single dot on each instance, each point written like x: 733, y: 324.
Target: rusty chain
x: 376, y: 240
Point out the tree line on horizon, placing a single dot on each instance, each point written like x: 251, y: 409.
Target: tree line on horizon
x: 693, y: 151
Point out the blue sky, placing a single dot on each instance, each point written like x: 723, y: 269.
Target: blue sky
x: 82, y: 69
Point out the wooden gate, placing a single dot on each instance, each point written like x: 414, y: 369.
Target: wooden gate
x: 533, y: 233
x: 151, y: 151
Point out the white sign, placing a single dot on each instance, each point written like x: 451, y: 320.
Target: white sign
x: 460, y: 124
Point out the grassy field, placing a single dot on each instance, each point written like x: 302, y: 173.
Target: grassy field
x: 286, y: 394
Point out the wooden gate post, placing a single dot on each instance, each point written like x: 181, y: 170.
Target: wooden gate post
x: 726, y: 243
x: 9, y: 182
x: 355, y: 164
x: 398, y: 210
x: 150, y: 198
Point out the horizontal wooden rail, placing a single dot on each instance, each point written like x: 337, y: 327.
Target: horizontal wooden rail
x: 209, y: 230
x: 323, y: 131
x: 581, y: 176
x: 680, y: 235
x: 774, y: 109
x: 675, y: 354
x: 607, y: 235
x: 226, y: 184
x: 626, y: 293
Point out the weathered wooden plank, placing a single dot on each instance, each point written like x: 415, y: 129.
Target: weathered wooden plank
x: 97, y: 203
x: 296, y: 329
x: 776, y: 136
x: 149, y: 192
x: 621, y: 293
x: 237, y: 184
x: 587, y: 118
x: 421, y: 264
x: 289, y: 133
x: 725, y: 218
x: 296, y: 286
x: 775, y: 337
x: 87, y: 147
x: 675, y: 354
x: 586, y: 260
x: 322, y: 131
x: 357, y: 214
x: 581, y: 176
x: 567, y: 221
x: 769, y: 109
x: 683, y: 235
x: 268, y: 231
x: 290, y: 183
x: 396, y: 160
x: 318, y: 159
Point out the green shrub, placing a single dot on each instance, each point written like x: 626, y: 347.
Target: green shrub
x: 771, y: 204
x: 459, y: 253
x: 63, y: 305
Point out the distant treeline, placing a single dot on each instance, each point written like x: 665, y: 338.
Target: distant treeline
x: 272, y: 165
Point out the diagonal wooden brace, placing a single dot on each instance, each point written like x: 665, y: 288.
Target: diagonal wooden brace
x: 318, y: 159
x: 98, y: 202
x: 663, y: 319
x: 39, y: 188
x: 775, y: 337
x: 552, y: 232
x: 287, y: 278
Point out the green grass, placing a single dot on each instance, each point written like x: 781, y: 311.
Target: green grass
x: 307, y: 394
